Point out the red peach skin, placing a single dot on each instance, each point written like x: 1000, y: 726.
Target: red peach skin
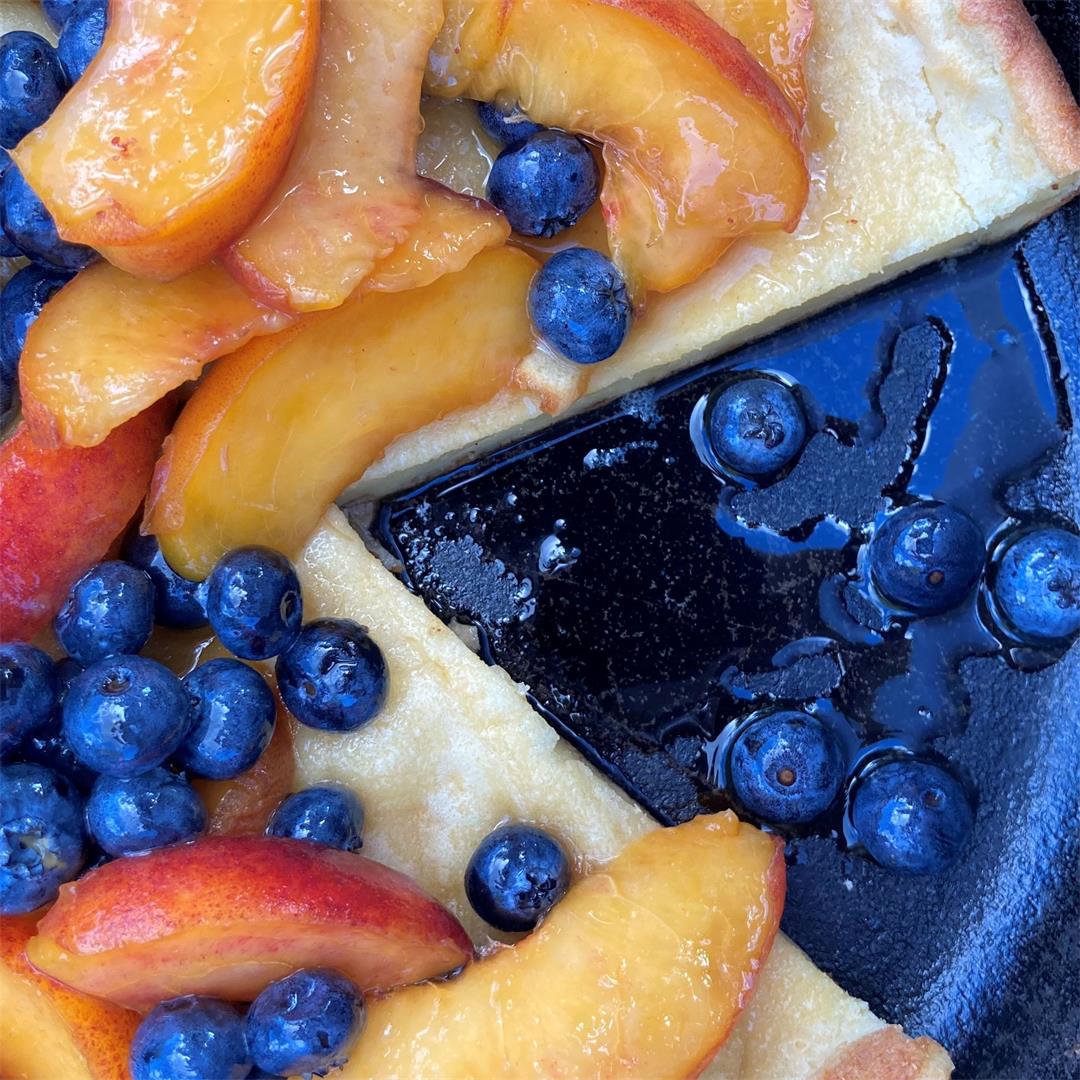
x: 49, y: 1031
x: 226, y: 915
x: 61, y: 509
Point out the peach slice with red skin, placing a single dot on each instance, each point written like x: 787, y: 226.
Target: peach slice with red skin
x: 350, y: 194
x: 164, y: 151
x: 277, y: 430
x: 48, y: 1030
x: 700, y: 145
x: 62, y: 509
x: 226, y: 915
x: 109, y: 344
x: 640, y: 970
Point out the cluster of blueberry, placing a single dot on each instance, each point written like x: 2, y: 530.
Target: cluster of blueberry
x: 123, y: 731
x: 33, y: 78
x: 787, y: 767
x: 302, y: 1025
x: 544, y: 181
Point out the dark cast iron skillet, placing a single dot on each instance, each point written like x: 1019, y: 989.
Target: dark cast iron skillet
x: 608, y: 569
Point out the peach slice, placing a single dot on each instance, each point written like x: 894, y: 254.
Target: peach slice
x: 226, y: 915
x: 700, y: 145
x: 48, y: 1030
x: 777, y: 32
x: 165, y: 149
x: 62, y: 509
x: 109, y: 345
x: 278, y: 429
x: 640, y: 970
x: 350, y: 193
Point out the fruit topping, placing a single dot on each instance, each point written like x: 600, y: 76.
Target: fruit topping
x: 161, y: 198
x: 786, y: 768
x: 234, y: 715
x: 329, y: 814
x: 626, y: 976
x: 233, y: 913
x: 30, y: 227
x: 700, y: 145
x: 505, y: 123
x: 305, y: 1024
x: 927, y: 557
x: 109, y: 610
x: 545, y: 183
x: 124, y: 715
x: 82, y: 36
x: 59, y: 11
x: 111, y: 345
x: 911, y: 816
x: 249, y: 463
x: 138, y: 813
x: 41, y: 836
x: 333, y: 676
x: 191, y: 1038
x: 580, y: 306
x: 28, y: 692
x: 754, y: 427
x: 21, y: 301
x: 350, y: 194
x: 32, y: 82
x: 86, y: 1038
x: 63, y: 509
x: 253, y: 602
x: 178, y: 602
x: 1036, y: 585
x: 516, y: 876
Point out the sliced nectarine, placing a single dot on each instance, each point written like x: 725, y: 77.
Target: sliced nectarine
x: 62, y: 509
x: 278, y: 429
x: 350, y: 193
x: 700, y: 145
x: 48, y: 1030
x: 109, y: 345
x: 165, y: 149
x: 777, y: 33
x: 452, y: 230
x: 640, y: 970
x: 226, y: 915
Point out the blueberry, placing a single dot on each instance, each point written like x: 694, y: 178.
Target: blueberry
x: 58, y: 11
x: 305, y: 1023
x: 786, y: 768
x: 755, y: 426
x: 124, y: 715
x: 326, y: 814
x: 927, y: 557
x: 137, y: 813
x: 1036, y: 585
x: 32, y: 83
x: 579, y: 305
x: 911, y: 816
x: 30, y: 227
x: 50, y: 748
x: 81, y: 37
x: 178, y: 602
x: 8, y: 249
x: 544, y: 183
x: 333, y: 676
x: 253, y: 602
x: 234, y: 712
x: 191, y: 1038
x: 506, y: 123
x: 109, y: 610
x: 41, y: 836
x: 516, y: 875
x: 28, y: 692
x: 21, y: 302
